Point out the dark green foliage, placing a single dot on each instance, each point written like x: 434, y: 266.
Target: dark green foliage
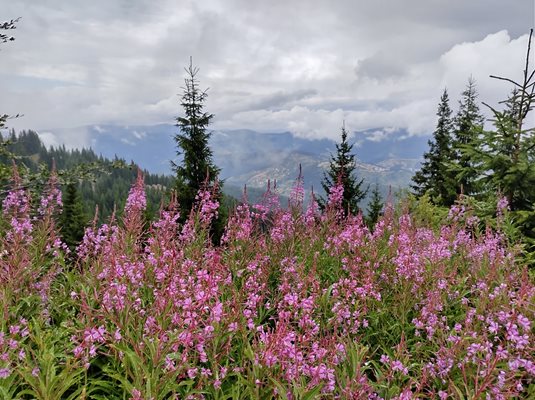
x: 468, y: 124
x: 197, y: 170
x: 100, y: 182
x: 73, y: 219
x: 505, y: 156
x: 254, y: 195
x: 375, y: 207
x: 227, y: 205
x: 25, y: 144
x: 341, y: 169
x: 434, y: 176
x: 109, y: 191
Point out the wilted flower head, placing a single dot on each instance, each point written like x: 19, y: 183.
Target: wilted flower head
x: 298, y: 191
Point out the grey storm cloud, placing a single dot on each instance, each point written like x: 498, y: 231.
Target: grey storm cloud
x: 280, y: 99
x: 380, y: 66
x: 299, y: 66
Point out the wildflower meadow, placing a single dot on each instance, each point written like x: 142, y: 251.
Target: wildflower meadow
x: 294, y: 303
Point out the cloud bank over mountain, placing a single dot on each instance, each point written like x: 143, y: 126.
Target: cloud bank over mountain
x: 300, y: 66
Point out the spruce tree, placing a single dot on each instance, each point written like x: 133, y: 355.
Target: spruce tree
x: 197, y: 169
x: 434, y: 176
x: 72, y: 220
x: 341, y: 169
x: 468, y: 124
x: 505, y: 155
x: 375, y: 207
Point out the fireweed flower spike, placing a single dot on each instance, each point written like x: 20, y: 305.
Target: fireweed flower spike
x: 294, y: 303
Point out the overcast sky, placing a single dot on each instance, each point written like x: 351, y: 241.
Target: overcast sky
x: 294, y: 65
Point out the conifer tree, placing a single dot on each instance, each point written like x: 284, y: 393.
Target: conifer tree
x: 506, y: 155
x: 468, y: 124
x: 434, y: 176
x: 341, y: 170
x: 197, y: 169
x: 375, y: 207
x: 72, y: 220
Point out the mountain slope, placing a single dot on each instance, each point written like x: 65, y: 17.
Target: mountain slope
x: 251, y: 158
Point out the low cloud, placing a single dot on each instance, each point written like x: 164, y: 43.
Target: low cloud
x: 497, y: 54
x: 76, y: 137
x: 139, y: 134
x: 49, y: 139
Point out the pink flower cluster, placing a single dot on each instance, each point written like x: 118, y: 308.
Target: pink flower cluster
x: 208, y: 206
x: 291, y: 301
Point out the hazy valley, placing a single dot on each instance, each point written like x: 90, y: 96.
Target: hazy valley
x: 252, y: 158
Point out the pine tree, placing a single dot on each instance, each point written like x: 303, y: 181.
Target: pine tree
x: 72, y: 220
x: 434, y: 176
x: 468, y: 124
x: 197, y: 169
x: 341, y: 169
x: 375, y: 207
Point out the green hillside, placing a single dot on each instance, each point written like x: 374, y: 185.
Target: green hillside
x: 105, y: 183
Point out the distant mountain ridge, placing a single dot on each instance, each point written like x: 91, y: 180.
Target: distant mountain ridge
x: 250, y: 158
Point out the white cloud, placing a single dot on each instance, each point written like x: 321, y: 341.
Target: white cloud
x: 76, y: 137
x: 139, y: 134
x: 49, y: 139
x: 302, y: 66
x: 128, y: 142
x: 497, y: 54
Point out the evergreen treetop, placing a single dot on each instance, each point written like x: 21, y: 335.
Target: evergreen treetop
x: 506, y: 154
x: 73, y: 219
x: 197, y: 169
x: 434, y: 175
x: 375, y: 207
x: 468, y: 116
x: 341, y: 170
x: 468, y: 123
